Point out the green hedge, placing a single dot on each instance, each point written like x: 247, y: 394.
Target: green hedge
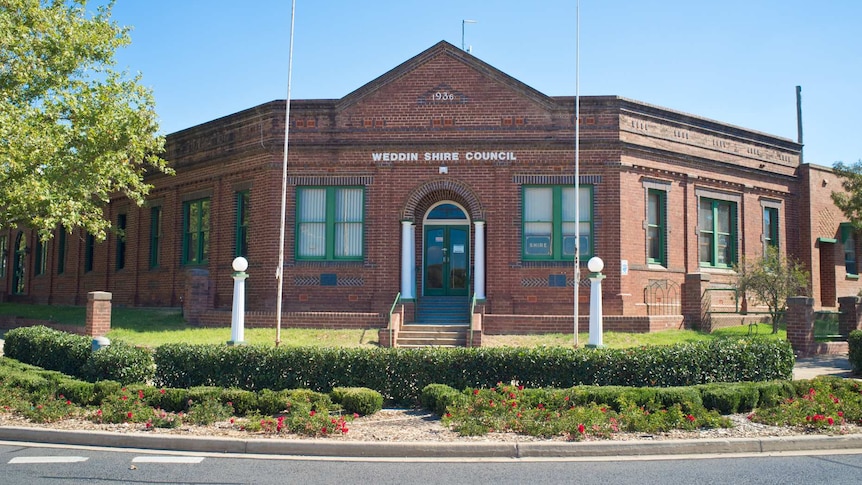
x: 726, y: 398
x: 48, y: 348
x: 854, y: 342
x: 400, y: 374
x: 73, y: 355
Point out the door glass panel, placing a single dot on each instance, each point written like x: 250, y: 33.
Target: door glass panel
x: 458, y: 258
x: 434, y: 259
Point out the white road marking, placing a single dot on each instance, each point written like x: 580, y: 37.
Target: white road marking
x: 167, y: 459
x: 47, y: 459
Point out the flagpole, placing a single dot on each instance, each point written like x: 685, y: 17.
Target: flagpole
x: 279, y: 271
x: 577, y: 165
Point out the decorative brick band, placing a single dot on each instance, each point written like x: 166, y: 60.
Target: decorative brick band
x: 332, y: 180
x: 555, y: 179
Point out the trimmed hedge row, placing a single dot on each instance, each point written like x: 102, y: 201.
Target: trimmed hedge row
x: 72, y: 355
x: 854, y: 342
x: 726, y: 398
x: 401, y: 374
x: 45, y: 384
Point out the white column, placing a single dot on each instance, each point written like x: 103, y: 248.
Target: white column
x: 237, y: 319
x: 413, y: 260
x: 595, y: 265
x: 406, y: 259
x: 479, y: 257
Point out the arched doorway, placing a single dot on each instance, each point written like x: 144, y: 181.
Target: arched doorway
x: 446, y: 250
x: 19, y: 265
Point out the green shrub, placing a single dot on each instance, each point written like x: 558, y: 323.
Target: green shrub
x: 315, y: 400
x: 271, y: 402
x: 243, y: 402
x: 120, y: 362
x: 854, y: 342
x: 437, y: 397
x: 730, y: 398
x: 48, y: 348
x: 79, y: 392
x: 104, y: 389
x: 359, y: 400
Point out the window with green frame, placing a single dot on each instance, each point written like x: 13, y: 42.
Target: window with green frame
x: 89, y: 249
x: 716, y: 233
x: 330, y: 223
x: 121, y: 241
x: 242, y: 201
x: 196, y: 231
x: 61, y: 250
x: 848, y: 240
x: 549, y: 222
x: 656, y: 226
x: 770, y: 228
x: 41, y: 263
x: 155, y: 235
x: 4, y: 252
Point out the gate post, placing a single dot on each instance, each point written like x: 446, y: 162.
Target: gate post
x: 800, y: 324
x: 98, y: 319
x: 850, y: 317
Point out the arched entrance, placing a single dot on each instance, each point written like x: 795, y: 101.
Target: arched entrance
x: 446, y: 251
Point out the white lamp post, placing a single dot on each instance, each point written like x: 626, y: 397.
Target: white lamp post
x: 237, y: 320
x: 596, y: 265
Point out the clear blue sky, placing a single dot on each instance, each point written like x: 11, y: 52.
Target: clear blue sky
x: 735, y: 61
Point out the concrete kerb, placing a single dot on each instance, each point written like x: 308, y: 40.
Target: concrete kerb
x: 358, y: 449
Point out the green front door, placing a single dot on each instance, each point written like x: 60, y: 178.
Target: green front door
x: 447, y: 260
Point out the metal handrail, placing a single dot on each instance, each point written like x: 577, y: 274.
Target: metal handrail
x: 391, y: 311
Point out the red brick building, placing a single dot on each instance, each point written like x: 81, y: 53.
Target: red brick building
x: 447, y: 178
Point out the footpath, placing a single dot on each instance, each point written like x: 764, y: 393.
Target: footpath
x: 806, y: 368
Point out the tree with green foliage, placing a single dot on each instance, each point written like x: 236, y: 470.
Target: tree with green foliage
x: 73, y: 130
x: 770, y: 281
x: 850, y: 201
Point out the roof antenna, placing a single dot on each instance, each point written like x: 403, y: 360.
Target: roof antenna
x: 463, y: 23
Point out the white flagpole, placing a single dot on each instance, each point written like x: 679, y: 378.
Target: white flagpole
x: 279, y: 271
x: 577, y: 164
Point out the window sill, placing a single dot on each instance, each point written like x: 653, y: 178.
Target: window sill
x: 851, y: 277
x: 716, y: 270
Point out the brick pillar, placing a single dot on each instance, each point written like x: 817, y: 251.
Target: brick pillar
x: 800, y: 324
x: 694, y: 308
x: 197, y: 298
x: 98, y: 321
x: 851, y: 314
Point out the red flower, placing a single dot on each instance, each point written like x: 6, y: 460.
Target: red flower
x: 99, y: 413
x: 231, y: 420
x: 448, y: 415
x: 162, y: 391
x: 312, y: 413
x: 566, y: 399
x: 149, y: 424
x: 582, y: 429
x: 324, y: 430
x: 129, y: 415
x: 344, y: 430
x: 355, y: 415
x: 830, y: 421
x: 690, y: 418
x: 475, y: 392
x: 491, y: 403
x: 124, y: 397
x: 140, y: 394
x: 520, y: 388
x: 840, y: 414
x: 68, y: 403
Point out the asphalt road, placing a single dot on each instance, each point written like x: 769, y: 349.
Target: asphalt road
x: 36, y: 465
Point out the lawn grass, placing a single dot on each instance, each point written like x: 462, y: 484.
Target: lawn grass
x: 152, y: 327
